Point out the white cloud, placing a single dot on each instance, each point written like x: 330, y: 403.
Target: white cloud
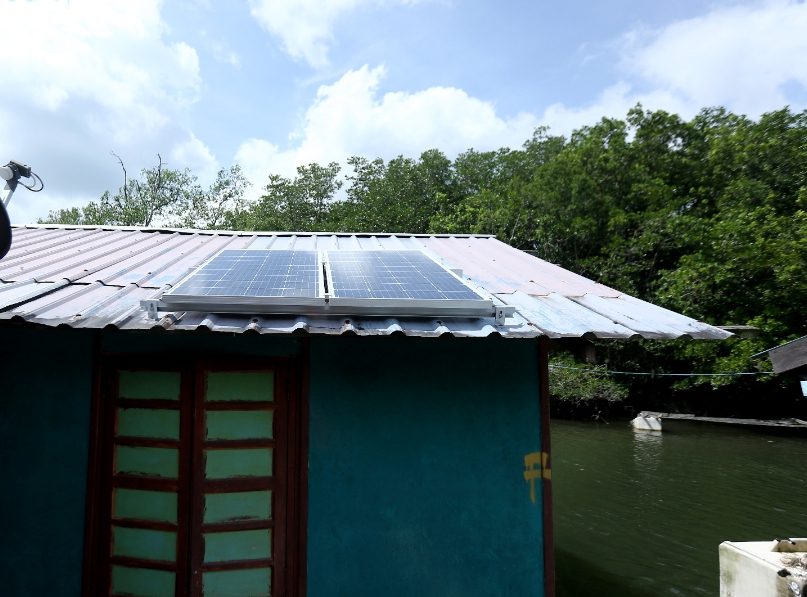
x: 83, y: 78
x: 108, y: 53
x: 193, y: 154
x: 26, y: 208
x: 258, y: 159
x: 224, y: 54
x: 305, y: 27
x: 743, y: 57
x: 614, y: 102
x: 219, y: 49
x: 351, y: 117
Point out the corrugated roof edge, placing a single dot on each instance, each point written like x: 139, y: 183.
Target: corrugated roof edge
x: 297, y: 326
x: 240, y: 232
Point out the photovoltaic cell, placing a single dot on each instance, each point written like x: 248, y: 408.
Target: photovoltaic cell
x: 371, y: 283
x: 393, y: 275
x: 254, y: 273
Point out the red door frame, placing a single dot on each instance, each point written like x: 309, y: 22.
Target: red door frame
x: 291, y: 458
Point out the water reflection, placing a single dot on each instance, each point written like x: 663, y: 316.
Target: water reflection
x: 579, y: 575
x: 643, y: 513
x: 646, y: 449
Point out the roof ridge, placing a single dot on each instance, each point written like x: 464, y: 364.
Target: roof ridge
x: 241, y: 232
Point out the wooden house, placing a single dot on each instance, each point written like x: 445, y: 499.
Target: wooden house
x: 194, y: 451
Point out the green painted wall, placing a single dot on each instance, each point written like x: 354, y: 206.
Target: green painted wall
x: 416, y: 463
x: 45, y: 384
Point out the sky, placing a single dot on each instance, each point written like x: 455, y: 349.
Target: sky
x: 275, y: 84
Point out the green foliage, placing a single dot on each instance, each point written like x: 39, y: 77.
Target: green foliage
x: 299, y: 204
x: 576, y: 383
x: 706, y: 216
x: 163, y: 197
x: 400, y: 196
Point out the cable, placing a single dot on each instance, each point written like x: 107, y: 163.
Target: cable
x: 33, y: 187
x: 609, y: 372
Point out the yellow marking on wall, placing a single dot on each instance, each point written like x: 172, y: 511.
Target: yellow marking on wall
x: 536, y: 466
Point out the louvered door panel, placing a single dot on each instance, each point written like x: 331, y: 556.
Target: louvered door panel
x: 146, y: 484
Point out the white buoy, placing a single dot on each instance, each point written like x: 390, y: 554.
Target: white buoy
x: 646, y: 422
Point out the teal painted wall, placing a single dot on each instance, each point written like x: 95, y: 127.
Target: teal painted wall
x: 416, y: 460
x: 45, y: 388
x: 45, y: 399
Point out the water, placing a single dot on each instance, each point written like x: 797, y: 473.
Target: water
x: 640, y: 514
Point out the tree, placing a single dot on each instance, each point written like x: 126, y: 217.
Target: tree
x: 577, y: 387
x: 164, y: 197
x: 299, y: 204
x: 706, y: 216
x: 401, y: 195
x: 490, y: 191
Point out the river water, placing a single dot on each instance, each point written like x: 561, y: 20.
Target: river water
x: 641, y: 514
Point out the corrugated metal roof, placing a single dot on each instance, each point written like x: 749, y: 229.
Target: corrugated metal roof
x: 94, y: 277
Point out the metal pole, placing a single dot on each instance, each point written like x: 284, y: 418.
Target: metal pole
x: 546, y: 461
x: 11, y: 173
x: 5, y: 231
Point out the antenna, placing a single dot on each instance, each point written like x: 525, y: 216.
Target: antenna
x: 11, y: 174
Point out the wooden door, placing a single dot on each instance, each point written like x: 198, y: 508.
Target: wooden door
x: 196, y: 481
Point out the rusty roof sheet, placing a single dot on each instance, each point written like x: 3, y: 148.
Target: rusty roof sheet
x: 94, y: 277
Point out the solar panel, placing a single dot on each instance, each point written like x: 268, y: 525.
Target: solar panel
x: 253, y: 274
x: 398, y: 275
x: 401, y: 283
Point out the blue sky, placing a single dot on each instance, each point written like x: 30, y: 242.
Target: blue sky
x: 273, y: 84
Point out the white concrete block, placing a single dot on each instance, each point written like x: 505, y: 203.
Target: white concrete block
x: 763, y: 568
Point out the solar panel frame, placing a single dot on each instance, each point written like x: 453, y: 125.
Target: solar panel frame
x: 245, y: 280
x: 410, y: 278
x: 208, y: 287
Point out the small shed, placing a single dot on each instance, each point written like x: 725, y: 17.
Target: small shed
x: 791, y: 358
x: 195, y: 452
